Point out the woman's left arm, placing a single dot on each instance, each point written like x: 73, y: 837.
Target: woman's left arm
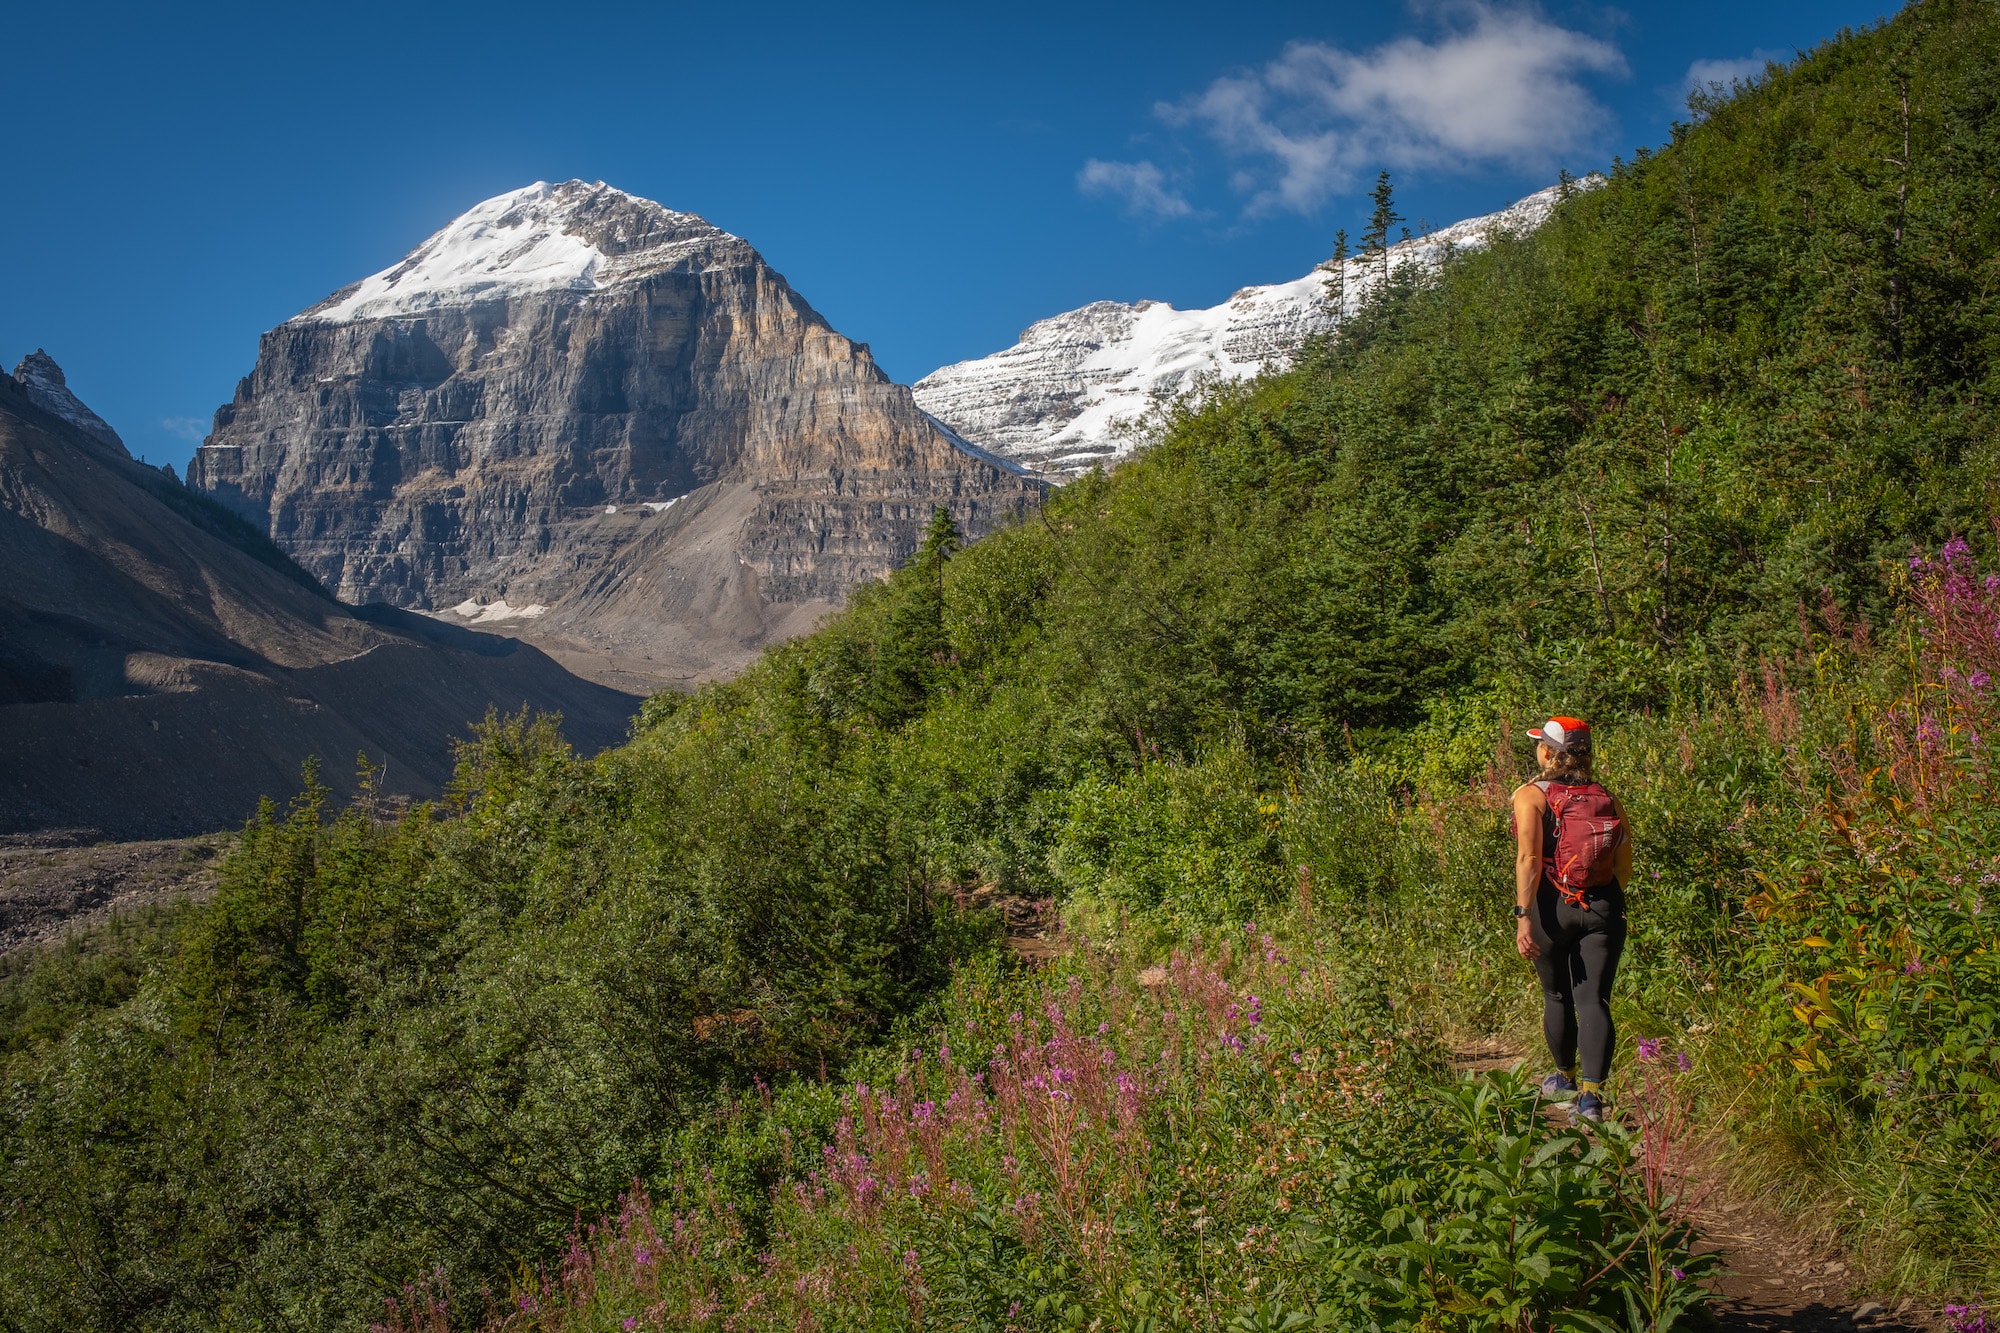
x: 1622, y: 862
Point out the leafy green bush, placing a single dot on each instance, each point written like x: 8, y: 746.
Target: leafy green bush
x: 1233, y: 1143
x: 1195, y: 842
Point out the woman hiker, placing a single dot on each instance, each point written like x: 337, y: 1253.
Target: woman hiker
x: 1572, y: 860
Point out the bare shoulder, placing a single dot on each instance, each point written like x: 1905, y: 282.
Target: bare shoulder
x: 1529, y: 796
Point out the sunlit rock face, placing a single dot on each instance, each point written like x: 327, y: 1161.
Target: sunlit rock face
x: 577, y: 400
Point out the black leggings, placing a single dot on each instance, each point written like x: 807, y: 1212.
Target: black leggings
x: 1579, y: 960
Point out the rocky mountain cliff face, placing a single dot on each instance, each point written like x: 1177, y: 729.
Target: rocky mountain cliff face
x: 48, y: 389
x: 162, y: 665
x: 1067, y: 396
x: 609, y: 424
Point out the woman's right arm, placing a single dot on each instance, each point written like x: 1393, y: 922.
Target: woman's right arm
x: 1527, y: 863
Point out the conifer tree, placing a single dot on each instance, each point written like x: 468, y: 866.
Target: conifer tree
x: 1375, y: 240
x: 1336, y: 281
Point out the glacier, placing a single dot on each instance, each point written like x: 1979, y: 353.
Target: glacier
x: 1072, y: 393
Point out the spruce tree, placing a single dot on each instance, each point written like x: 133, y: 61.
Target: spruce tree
x: 1375, y: 240
x: 1336, y: 282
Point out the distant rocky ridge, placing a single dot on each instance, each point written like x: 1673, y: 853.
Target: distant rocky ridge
x: 1064, y: 399
x: 608, y: 424
x: 163, y: 665
x: 48, y: 389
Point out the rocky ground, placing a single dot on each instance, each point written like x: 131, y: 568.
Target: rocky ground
x: 47, y: 888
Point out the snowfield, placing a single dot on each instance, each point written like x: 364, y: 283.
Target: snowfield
x: 539, y: 238
x: 1068, y: 395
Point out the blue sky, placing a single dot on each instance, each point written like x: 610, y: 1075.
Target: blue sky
x: 932, y: 178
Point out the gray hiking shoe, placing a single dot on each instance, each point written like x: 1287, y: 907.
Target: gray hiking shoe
x: 1557, y: 1085
x: 1589, y: 1107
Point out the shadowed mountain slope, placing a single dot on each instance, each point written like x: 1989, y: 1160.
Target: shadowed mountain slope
x: 163, y: 665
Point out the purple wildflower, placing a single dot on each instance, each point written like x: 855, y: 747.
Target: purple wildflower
x: 1967, y: 1319
x: 1649, y: 1048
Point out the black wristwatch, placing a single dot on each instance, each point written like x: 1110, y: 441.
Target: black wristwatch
x: 1520, y: 911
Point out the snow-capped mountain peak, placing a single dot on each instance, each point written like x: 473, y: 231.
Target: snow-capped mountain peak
x: 1062, y: 398
x: 575, y: 236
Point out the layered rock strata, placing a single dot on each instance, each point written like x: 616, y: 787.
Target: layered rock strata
x: 607, y: 423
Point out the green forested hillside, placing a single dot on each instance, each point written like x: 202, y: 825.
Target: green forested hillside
x: 1710, y: 459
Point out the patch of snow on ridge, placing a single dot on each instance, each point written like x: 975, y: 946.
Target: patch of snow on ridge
x: 1063, y: 399
x: 539, y: 238
x: 514, y: 242
x: 485, y: 613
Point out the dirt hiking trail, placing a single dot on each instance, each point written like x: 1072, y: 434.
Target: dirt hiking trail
x: 1775, y: 1279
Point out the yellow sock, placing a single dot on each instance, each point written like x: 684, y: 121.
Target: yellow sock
x: 1590, y: 1085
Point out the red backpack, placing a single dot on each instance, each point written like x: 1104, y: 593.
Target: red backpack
x: 1581, y: 851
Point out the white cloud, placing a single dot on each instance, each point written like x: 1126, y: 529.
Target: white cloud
x: 185, y: 428
x: 1702, y: 73
x: 1497, y: 86
x: 1141, y: 185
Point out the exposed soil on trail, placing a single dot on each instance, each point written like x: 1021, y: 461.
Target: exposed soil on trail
x: 47, y: 889
x: 1775, y: 1278
x: 1032, y: 924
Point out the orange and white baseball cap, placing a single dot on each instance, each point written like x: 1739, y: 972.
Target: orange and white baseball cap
x: 1560, y: 733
